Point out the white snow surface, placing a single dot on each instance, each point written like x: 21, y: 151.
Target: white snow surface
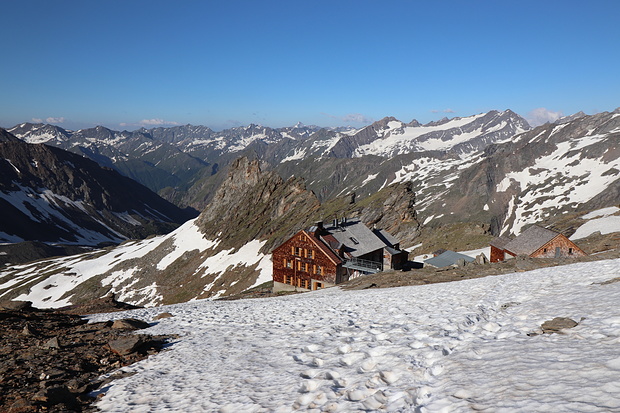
x: 602, y: 220
x: 450, y: 347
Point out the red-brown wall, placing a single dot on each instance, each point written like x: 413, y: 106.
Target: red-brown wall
x: 497, y: 254
x: 296, y: 274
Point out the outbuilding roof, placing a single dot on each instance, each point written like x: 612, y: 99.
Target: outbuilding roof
x: 500, y: 242
x: 447, y: 259
x: 530, y: 240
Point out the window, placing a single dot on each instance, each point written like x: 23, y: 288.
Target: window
x: 310, y: 254
x: 318, y: 270
x: 570, y: 251
x: 304, y: 266
x: 318, y: 285
x: 297, y: 251
x: 288, y: 264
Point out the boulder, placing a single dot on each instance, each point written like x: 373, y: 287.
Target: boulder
x: 130, y: 324
x: 51, y: 343
x: 557, y: 324
x: 126, y: 345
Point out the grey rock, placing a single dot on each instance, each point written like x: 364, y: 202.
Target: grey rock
x: 51, y: 343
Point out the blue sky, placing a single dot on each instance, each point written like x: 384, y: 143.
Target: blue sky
x: 126, y: 64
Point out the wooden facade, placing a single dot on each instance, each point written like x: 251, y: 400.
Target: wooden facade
x: 303, y: 263
x: 325, y: 256
x: 497, y: 249
x: 497, y: 254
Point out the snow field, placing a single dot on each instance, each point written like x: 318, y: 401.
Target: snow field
x: 436, y: 348
x: 602, y: 220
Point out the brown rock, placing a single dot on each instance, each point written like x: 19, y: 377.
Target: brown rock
x: 126, y: 345
x: 29, y: 331
x: 557, y: 324
x: 16, y: 305
x: 130, y: 324
x: 163, y: 315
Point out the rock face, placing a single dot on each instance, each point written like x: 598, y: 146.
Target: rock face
x: 255, y: 204
x: 50, y: 195
x: 51, y: 361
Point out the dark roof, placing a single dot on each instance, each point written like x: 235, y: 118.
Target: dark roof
x: 386, y: 237
x: 447, y: 259
x: 393, y: 251
x: 530, y: 240
x: 357, y: 237
x: 324, y: 248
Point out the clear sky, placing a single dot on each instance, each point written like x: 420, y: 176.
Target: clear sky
x: 126, y: 64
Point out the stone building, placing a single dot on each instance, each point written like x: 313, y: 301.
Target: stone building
x: 535, y: 242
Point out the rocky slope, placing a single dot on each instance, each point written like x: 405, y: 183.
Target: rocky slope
x: 50, y: 195
x: 51, y: 361
x: 546, y: 172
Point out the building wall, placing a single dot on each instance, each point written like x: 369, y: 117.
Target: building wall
x: 497, y: 254
x: 298, y: 263
x: 559, y: 246
x: 395, y: 262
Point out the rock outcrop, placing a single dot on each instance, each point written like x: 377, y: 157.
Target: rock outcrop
x: 51, y: 361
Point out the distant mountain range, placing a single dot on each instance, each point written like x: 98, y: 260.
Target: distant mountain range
x: 182, y: 163
x: 442, y: 160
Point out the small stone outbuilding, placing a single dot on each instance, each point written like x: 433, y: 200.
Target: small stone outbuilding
x: 535, y: 242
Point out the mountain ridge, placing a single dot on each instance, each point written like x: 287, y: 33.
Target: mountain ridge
x: 50, y: 195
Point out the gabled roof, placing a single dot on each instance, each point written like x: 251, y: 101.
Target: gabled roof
x: 530, y: 240
x: 357, y: 237
x: 324, y: 248
x: 447, y: 259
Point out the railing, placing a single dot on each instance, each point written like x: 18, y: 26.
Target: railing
x: 358, y: 263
